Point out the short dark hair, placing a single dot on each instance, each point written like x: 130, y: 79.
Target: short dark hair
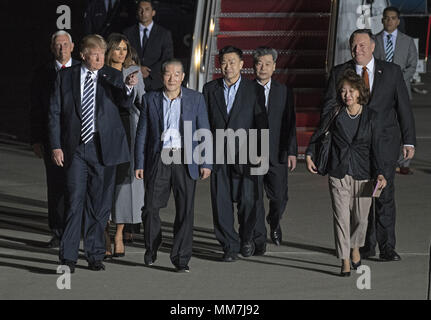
x: 149, y: 1
x: 362, y: 31
x: 357, y: 83
x: 393, y: 9
x: 172, y: 61
x: 229, y: 49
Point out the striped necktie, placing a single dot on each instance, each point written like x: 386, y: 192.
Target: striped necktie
x: 87, y: 127
x: 389, y: 49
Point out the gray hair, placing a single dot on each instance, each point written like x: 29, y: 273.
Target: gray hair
x: 263, y: 51
x: 172, y: 61
x: 61, y: 33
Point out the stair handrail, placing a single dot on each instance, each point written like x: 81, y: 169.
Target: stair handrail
x: 202, y: 43
x: 330, y: 49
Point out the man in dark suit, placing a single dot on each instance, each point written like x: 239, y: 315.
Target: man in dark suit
x: 160, y: 136
x: 107, y: 16
x: 87, y: 138
x: 389, y: 97
x: 232, y: 103
x: 283, y: 148
x: 41, y: 89
x: 153, y: 44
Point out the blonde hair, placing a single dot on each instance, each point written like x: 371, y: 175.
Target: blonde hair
x: 90, y: 42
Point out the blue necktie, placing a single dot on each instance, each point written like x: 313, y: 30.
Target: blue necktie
x: 389, y: 49
x: 87, y: 127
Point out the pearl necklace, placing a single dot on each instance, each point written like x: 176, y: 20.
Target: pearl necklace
x: 356, y: 115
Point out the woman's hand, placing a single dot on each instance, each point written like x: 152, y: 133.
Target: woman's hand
x: 381, y: 182
x: 310, y: 164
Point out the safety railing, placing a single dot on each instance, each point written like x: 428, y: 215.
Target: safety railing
x: 203, y: 42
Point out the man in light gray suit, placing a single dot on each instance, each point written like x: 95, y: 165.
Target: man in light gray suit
x: 394, y: 46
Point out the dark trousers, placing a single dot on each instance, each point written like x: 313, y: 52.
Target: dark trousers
x: 89, y: 192
x: 275, y: 185
x: 56, y: 184
x: 173, y: 177
x: 228, y: 188
x: 381, y: 225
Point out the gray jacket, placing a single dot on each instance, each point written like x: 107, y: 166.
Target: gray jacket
x: 405, y: 55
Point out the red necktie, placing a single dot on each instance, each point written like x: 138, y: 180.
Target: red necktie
x: 365, y: 77
x: 63, y: 67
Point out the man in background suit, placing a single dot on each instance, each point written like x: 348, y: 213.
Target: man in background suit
x: 394, y: 46
x: 107, y: 16
x: 87, y: 138
x: 41, y: 89
x: 160, y: 135
x: 232, y: 103
x: 390, y: 99
x: 283, y: 148
x: 153, y: 44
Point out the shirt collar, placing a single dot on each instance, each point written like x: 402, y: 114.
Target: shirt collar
x: 142, y: 27
x: 168, y: 99
x: 266, y: 86
x: 84, y: 70
x: 393, y: 34
x: 235, y: 85
x: 370, y: 66
x: 58, y: 65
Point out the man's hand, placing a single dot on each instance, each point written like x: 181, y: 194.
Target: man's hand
x: 132, y: 79
x: 291, y: 162
x: 381, y: 182
x: 145, y: 71
x: 139, y: 174
x: 408, y: 152
x: 38, y: 150
x: 58, y: 157
x: 205, y: 173
x: 310, y: 165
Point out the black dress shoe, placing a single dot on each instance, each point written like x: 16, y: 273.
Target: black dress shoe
x: 181, y: 269
x: 356, y: 265
x: 367, y: 253
x: 247, y: 249
x: 70, y: 264
x: 230, y: 257
x: 53, y: 243
x: 276, y: 236
x: 389, y: 255
x: 96, y: 266
x: 344, y: 273
x: 259, y: 250
x: 150, y: 258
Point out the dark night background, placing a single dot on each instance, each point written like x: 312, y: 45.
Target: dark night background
x: 26, y: 28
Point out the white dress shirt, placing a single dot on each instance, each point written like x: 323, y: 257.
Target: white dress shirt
x: 267, y: 88
x: 58, y: 65
x: 141, y: 30
x: 393, y: 38
x: 371, y: 69
x: 94, y: 74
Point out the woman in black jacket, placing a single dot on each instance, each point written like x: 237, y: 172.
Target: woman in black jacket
x: 353, y: 161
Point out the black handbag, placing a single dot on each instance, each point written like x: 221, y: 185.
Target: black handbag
x: 323, y: 146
